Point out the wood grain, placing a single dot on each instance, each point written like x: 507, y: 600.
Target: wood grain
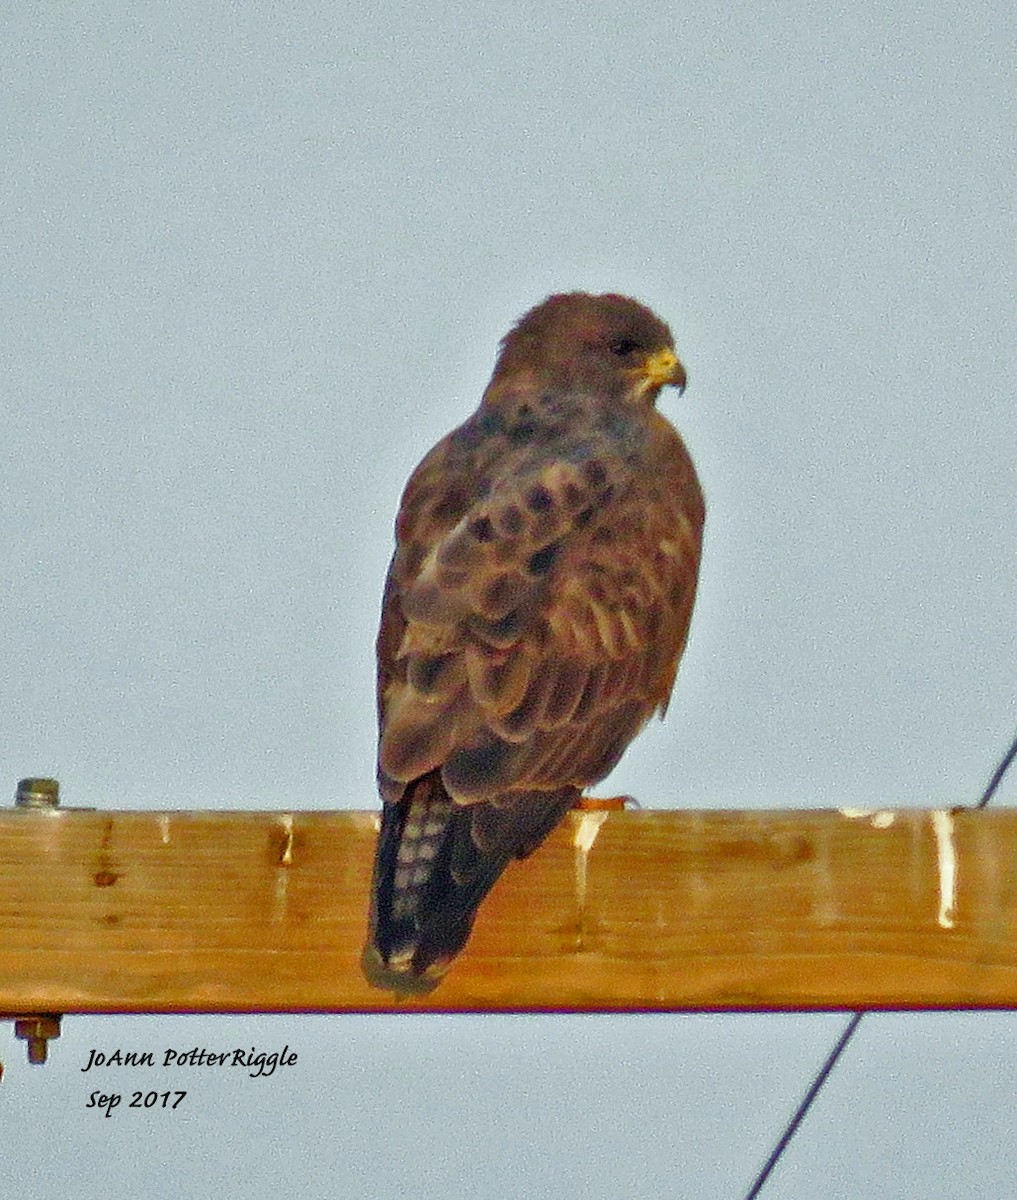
x: 266, y: 911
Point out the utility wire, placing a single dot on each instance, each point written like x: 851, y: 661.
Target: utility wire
x: 816, y: 1086
x: 997, y: 775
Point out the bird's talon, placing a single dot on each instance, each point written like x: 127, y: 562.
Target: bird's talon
x: 605, y: 803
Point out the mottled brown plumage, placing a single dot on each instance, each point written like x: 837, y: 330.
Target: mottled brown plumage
x: 536, y: 607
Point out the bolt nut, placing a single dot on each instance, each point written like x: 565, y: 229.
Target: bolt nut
x: 37, y: 1031
x: 37, y: 793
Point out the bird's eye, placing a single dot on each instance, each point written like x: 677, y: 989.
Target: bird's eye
x: 623, y: 346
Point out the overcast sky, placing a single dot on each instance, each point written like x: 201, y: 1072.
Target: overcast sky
x: 255, y: 261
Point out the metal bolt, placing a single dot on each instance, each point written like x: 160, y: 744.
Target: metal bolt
x: 37, y: 1031
x: 37, y: 793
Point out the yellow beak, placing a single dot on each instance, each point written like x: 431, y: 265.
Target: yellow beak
x: 662, y: 368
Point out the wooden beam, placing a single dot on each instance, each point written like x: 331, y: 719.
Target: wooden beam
x: 265, y: 911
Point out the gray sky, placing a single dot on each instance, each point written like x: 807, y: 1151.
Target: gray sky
x: 254, y: 263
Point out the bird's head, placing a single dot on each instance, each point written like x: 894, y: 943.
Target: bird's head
x: 608, y: 346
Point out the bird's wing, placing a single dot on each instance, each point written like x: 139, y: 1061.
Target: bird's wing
x: 523, y: 647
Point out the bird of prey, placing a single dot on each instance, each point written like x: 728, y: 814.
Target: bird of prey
x: 535, y: 610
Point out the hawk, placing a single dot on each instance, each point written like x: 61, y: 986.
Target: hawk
x: 535, y: 610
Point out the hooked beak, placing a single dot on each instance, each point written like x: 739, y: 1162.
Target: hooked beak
x: 663, y: 368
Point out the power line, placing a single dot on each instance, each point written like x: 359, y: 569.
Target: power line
x: 816, y: 1086
x: 997, y: 775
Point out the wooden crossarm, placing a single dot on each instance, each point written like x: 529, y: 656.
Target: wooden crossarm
x: 265, y: 912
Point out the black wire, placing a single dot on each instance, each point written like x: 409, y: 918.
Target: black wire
x: 791, y: 1128
x: 997, y: 775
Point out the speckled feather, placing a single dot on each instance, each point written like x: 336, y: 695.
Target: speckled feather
x: 536, y: 607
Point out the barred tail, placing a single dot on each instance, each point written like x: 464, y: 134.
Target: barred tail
x: 435, y: 862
